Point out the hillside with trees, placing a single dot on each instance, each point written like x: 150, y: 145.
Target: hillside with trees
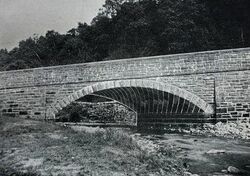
x: 134, y: 28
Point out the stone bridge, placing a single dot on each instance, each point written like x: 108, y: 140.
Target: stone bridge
x: 193, y: 87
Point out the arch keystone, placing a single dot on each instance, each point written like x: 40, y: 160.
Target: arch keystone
x: 133, y: 83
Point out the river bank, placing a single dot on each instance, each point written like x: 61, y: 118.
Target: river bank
x: 39, y: 148
x: 32, y: 148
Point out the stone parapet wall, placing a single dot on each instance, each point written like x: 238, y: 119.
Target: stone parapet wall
x: 155, y: 66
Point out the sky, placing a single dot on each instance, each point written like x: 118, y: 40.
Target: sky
x: 21, y: 19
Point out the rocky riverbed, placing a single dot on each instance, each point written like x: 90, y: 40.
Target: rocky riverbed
x: 205, y: 155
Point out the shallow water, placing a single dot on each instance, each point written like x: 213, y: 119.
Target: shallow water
x: 192, y: 150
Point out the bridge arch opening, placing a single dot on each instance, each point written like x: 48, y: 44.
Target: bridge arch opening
x: 152, y: 101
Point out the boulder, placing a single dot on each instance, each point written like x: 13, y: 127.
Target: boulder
x: 213, y: 151
x: 233, y: 170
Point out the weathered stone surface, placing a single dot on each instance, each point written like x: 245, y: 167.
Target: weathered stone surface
x: 203, y: 74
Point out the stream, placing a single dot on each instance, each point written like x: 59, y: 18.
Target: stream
x: 193, y: 151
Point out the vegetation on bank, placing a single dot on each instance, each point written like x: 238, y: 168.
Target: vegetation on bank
x: 102, y: 112
x: 38, y: 148
x: 133, y: 28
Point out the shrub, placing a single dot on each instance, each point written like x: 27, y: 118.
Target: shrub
x: 74, y: 117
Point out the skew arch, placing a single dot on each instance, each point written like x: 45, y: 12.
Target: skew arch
x: 142, y: 85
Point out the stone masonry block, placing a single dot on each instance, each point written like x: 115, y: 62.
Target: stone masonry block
x: 79, y: 93
x: 185, y: 75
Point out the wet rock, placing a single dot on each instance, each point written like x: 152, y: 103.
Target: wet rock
x: 13, y: 150
x: 186, y: 131
x: 213, y: 151
x: 247, y: 166
x: 185, y: 165
x: 221, y: 174
x: 211, y: 131
x: 179, y: 149
x: 187, y: 174
x: 190, y: 174
x: 233, y: 170
x: 162, y: 172
x: 224, y: 171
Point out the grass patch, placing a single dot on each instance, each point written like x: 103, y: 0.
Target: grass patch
x: 40, y: 148
x: 7, y: 171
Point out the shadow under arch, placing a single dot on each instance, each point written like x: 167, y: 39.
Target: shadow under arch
x: 136, y: 94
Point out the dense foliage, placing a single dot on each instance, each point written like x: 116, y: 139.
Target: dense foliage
x: 133, y: 28
x: 97, y: 113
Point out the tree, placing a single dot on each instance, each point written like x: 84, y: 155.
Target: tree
x: 133, y: 28
x: 27, y: 53
x: 5, y: 58
x: 111, y: 7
